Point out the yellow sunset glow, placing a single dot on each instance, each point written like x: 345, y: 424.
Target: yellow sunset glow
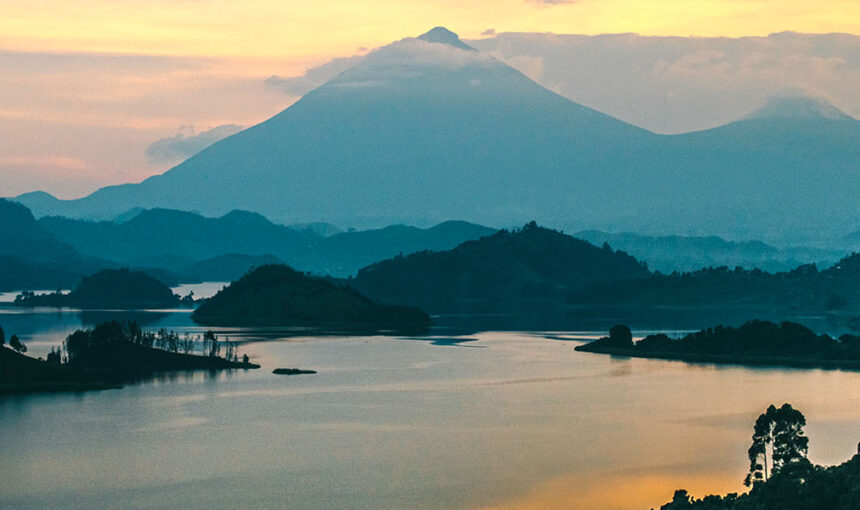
x: 293, y: 29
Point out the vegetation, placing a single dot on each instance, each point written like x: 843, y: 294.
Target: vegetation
x: 275, y: 295
x: 755, y: 343
x: 795, y: 483
x: 113, y: 353
x: 111, y: 288
x: 778, y: 436
x: 505, y: 271
x: 834, y: 289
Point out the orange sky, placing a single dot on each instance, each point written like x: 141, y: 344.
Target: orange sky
x: 334, y: 27
x: 87, y: 86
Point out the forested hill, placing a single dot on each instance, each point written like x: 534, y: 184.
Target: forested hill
x: 276, y: 295
x: 805, y: 288
x: 503, y: 271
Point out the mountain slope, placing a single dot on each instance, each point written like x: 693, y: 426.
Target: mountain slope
x: 31, y: 257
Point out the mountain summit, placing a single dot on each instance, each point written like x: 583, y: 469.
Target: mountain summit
x: 442, y: 35
x: 799, y: 107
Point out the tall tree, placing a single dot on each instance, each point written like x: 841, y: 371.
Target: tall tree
x: 777, y: 437
x: 2, y: 337
x: 16, y: 344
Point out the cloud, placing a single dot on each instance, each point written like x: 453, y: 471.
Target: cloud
x: 409, y: 58
x: 313, y: 78
x: 489, y: 32
x: 187, y: 143
x: 678, y: 84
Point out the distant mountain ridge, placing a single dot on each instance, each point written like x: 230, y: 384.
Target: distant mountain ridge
x: 176, y: 239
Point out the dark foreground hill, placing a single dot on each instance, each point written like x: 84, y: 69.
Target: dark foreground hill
x: 503, y: 271
x: 111, y: 288
x: 276, y: 295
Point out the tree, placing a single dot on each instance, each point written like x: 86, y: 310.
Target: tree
x: 2, y: 337
x: 211, y: 340
x: 16, y: 344
x: 54, y: 357
x: 621, y: 336
x: 777, y: 436
x: 680, y: 500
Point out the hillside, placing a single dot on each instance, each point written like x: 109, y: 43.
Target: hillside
x: 275, y: 295
x: 226, y: 268
x: 110, y: 289
x: 32, y: 257
x: 503, y: 271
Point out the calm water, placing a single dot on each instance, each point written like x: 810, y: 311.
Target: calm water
x: 496, y: 421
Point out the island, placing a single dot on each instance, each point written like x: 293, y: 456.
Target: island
x: 112, y: 354
x: 276, y: 295
x: 292, y: 371
x: 754, y: 343
x: 119, y: 289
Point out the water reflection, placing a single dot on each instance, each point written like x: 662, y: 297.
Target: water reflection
x: 523, y: 422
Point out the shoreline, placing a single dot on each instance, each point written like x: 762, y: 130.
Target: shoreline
x: 720, y: 359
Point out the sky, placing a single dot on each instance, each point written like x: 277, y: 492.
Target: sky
x: 98, y: 92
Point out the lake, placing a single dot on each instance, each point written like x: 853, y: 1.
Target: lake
x: 488, y: 421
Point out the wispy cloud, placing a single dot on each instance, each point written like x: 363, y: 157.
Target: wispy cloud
x: 187, y: 143
x: 312, y: 78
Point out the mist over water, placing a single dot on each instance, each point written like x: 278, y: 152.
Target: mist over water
x: 493, y: 420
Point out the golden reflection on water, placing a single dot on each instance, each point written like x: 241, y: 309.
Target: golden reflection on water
x: 617, y: 491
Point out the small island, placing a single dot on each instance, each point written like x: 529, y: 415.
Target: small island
x: 112, y: 354
x: 292, y: 371
x: 118, y: 289
x: 276, y: 295
x: 754, y: 343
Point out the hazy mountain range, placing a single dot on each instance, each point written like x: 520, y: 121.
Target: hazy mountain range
x: 182, y: 246
x: 688, y: 253
x: 427, y: 129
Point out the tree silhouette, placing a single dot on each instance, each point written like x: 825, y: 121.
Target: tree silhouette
x: 2, y: 337
x: 16, y: 344
x: 778, y: 437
